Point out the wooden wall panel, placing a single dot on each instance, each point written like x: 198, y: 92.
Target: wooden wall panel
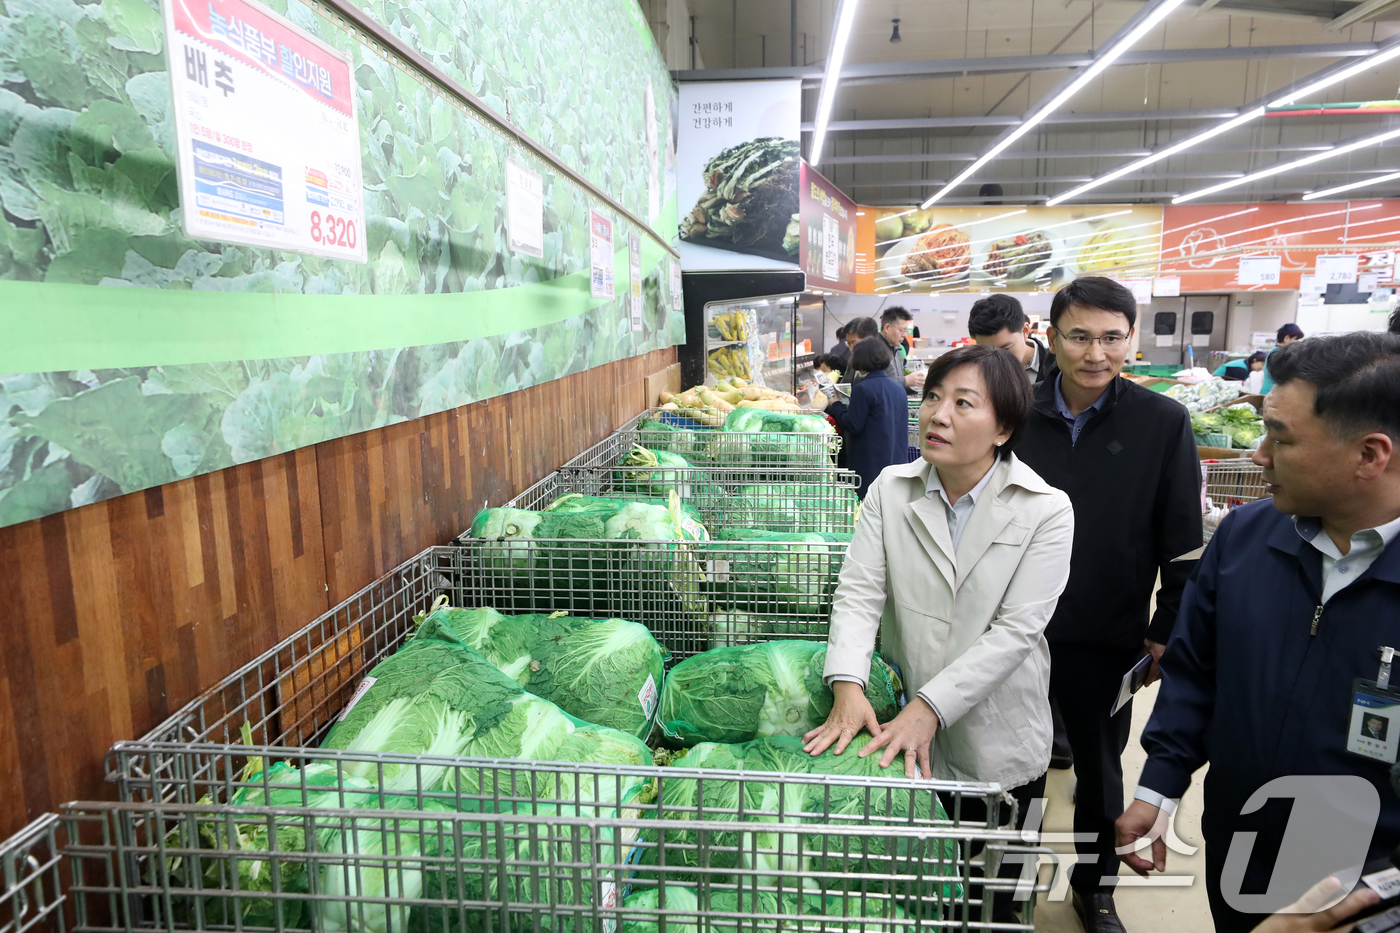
x: 115, y: 614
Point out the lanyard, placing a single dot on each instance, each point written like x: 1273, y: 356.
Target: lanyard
x: 1383, y: 678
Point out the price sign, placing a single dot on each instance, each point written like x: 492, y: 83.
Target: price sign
x: 524, y: 209
x: 1166, y: 286
x: 1260, y: 270
x: 1368, y: 281
x: 1311, y: 285
x: 266, y: 131
x: 600, y: 247
x: 1141, y: 289
x: 1337, y: 270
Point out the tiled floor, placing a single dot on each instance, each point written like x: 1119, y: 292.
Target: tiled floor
x: 1176, y: 903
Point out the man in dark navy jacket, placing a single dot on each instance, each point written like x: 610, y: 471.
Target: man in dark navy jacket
x: 1291, y: 603
x: 1127, y: 458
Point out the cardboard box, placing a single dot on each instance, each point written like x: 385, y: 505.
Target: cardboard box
x: 666, y: 380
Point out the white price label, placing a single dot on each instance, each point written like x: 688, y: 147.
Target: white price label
x: 1368, y: 281
x: 634, y: 278
x: 360, y: 691
x: 647, y: 696
x: 600, y: 246
x: 1337, y: 270
x: 1385, y: 883
x: 1166, y: 286
x: 524, y: 209
x: 1261, y: 270
x: 831, y: 248
x: 677, y: 290
x: 1311, y: 285
x: 608, y: 901
x: 1141, y: 289
x: 267, y: 131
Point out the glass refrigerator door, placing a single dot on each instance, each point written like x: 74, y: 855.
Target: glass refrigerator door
x: 751, y: 339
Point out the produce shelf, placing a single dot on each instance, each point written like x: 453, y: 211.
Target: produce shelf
x: 1229, y: 485
x: 508, y: 845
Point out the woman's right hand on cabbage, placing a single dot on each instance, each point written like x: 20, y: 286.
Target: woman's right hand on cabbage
x: 850, y: 713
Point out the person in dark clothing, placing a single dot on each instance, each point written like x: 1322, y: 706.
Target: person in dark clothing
x: 876, y: 423
x: 998, y: 321
x: 857, y: 330
x: 840, y: 347
x: 1291, y: 600
x: 894, y: 327
x: 1127, y: 458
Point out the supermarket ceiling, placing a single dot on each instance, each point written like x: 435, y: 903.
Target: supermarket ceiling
x: 912, y: 114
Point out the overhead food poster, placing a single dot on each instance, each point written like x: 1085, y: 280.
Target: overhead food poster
x: 827, y: 252
x: 739, y: 168
x: 1205, y: 244
x: 1008, y: 248
x: 269, y: 142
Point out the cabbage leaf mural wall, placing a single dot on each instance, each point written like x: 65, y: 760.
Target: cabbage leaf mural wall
x: 138, y: 356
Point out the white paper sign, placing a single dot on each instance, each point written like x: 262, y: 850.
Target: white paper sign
x: 1336, y: 270
x: 634, y: 277
x: 266, y: 130
x: 1261, y: 270
x: 1166, y: 286
x: 600, y: 244
x: 647, y: 696
x: 677, y: 289
x: 1200, y: 340
x: 831, y: 248
x: 1311, y: 284
x: 524, y: 209
x: 1165, y: 340
x: 1368, y: 281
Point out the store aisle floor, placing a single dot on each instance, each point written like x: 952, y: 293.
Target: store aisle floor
x: 1173, y: 903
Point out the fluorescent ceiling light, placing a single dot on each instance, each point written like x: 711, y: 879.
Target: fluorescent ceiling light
x: 845, y: 22
x: 1289, y: 166
x: 1327, y: 192
x: 1187, y: 143
x: 1371, y: 61
x: 1149, y: 22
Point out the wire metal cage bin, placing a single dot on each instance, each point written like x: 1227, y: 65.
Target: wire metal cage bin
x: 1228, y: 485
x: 31, y: 882
x: 389, y: 869
x: 196, y: 834
x: 707, y: 445
x: 802, y: 501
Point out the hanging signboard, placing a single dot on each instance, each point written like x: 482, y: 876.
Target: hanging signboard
x: 1166, y: 286
x: 600, y: 247
x: 740, y: 171
x: 1336, y: 270
x: 1260, y: 270
x: 1141, y: 289
x: 266, y: 130
x: 828, y: 249
x: 1005, y: 248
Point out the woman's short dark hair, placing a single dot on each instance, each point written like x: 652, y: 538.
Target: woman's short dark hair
x: 862, y: 327
x: 1357, y: 378
x: 1288, y: 330
x: 1258, y: 356
x: 872, y: 354
x: 1007, y: 386
x: 1094, y: 291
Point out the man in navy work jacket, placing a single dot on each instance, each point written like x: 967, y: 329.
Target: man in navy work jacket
x: 1127, y: 458
x: 1290, y: 604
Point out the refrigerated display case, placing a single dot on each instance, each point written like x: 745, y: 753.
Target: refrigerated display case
x: 741, y: 324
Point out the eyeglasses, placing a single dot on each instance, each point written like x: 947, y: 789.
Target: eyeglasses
x: 1107, y: 341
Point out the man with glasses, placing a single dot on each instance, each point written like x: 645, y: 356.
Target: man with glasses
x: 894, y: 327
x: 1127, y: 458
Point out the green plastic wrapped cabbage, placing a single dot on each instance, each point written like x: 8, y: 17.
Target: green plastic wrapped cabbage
x: 694, y: 443
x: 779, y: 575
x: 436, y: 696
x: 793, y: 507
x: 604, y: 671
x: 786, y: 852
x: 752, y: 691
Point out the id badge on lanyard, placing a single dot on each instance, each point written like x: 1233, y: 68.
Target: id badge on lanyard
x: 1374, y: 731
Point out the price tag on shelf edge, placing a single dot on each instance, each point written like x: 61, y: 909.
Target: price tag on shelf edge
x: 1337, y: 270
x: 1261, y: 270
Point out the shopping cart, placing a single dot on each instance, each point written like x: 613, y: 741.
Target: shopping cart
x: 1228, y: 485
x: 508, y: 845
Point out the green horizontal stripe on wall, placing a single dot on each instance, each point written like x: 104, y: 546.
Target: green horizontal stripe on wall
x: 54, y: 327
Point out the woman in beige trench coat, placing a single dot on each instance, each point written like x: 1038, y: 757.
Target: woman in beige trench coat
x: 956, y: 565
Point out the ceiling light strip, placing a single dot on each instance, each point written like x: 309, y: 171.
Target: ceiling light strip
x: 1149, y: 21
x: 1328, y: 192
x: 845, y: 22
x: 1289, y: 166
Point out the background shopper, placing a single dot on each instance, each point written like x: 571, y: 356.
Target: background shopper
x: 875, y: 425
x: 894, y: 327
x: 998, y: 321
x: 1127, y: 458
x: 1287, y: 334
x: 1292, y: 599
